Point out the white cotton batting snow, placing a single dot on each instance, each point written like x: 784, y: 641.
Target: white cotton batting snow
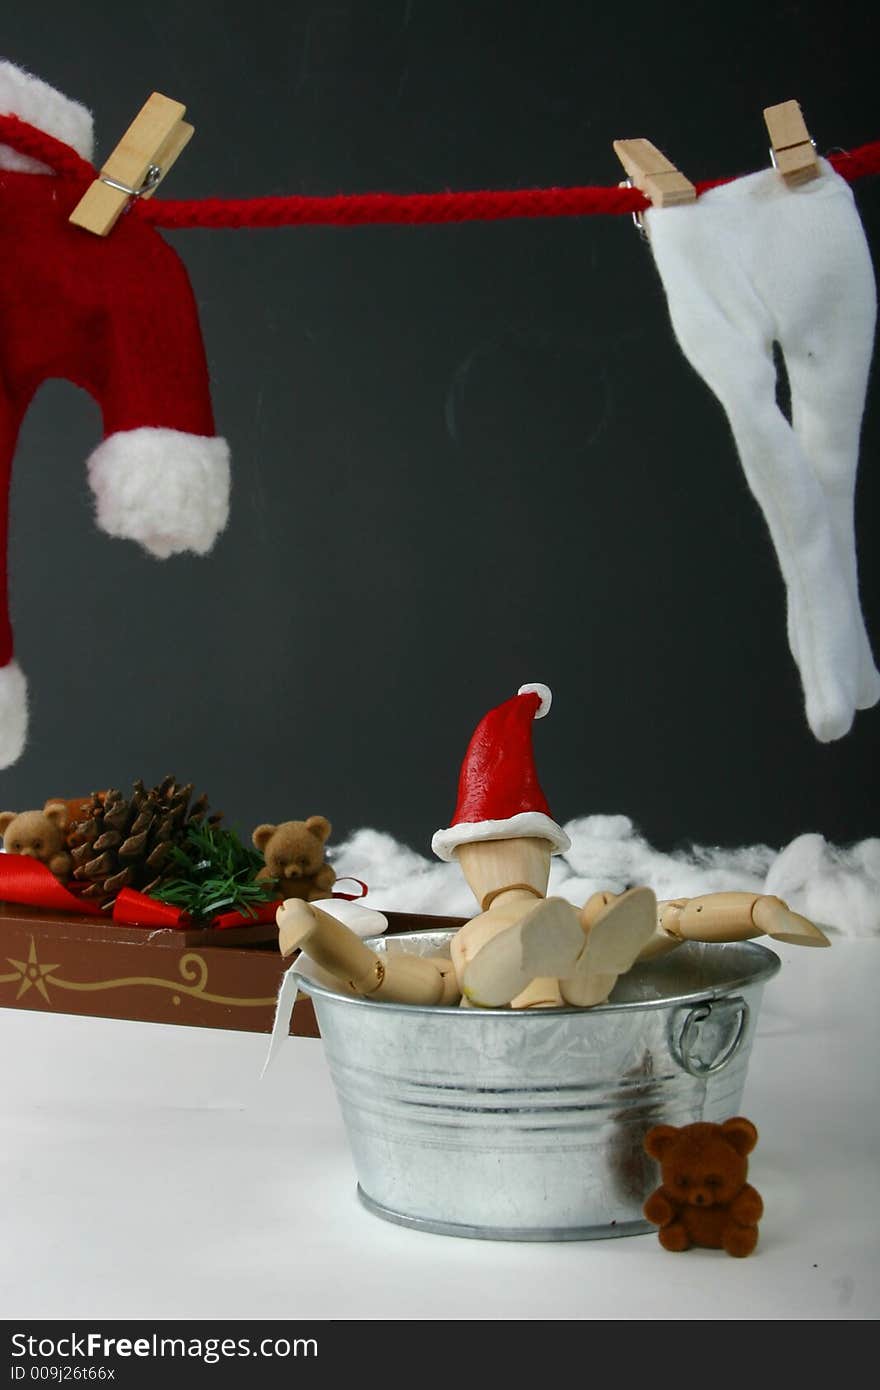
x: 835, y: 888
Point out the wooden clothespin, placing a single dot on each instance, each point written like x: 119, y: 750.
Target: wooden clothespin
x: 146, y: 152
x: 791, y: 146
x: 653, y: 174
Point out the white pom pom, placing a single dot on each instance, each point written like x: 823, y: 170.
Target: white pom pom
x: 545, y: 693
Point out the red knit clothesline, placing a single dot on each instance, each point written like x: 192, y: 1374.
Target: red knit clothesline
x: 365, y: 209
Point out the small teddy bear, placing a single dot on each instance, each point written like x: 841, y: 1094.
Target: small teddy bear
x: 704, y: 1198
x: 39, y: 835
x: 294, y: 855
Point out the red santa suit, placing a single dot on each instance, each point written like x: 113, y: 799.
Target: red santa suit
x: 116, y: 316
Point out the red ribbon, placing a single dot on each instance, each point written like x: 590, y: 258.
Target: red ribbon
x: 134, y: 909
x: 351, y: 897
x: 139, y: 910
x: 264, y: 913
x: 28, y: 881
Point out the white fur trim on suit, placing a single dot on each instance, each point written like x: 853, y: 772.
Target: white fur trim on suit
x: 13, y: 713
x: 34, y: 101
x: 163, y: 488
x: 546, y: 694
x: 533, y: 824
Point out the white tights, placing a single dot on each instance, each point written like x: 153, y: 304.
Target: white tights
x: 751, y: 263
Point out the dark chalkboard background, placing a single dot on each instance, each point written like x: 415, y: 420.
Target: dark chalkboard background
x: 464, y: 457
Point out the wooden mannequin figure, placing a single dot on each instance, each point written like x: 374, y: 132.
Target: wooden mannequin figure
x: 524, y: 949
x: 400, y: 977
x: 528, y: 950
x: 718, y: 917
x: 503, y: 836
x: 511, y: 954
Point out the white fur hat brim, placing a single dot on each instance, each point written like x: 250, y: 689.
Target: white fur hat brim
x: 526, y: 825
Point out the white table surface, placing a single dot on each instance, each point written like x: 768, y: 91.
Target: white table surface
x: 148, y: 1173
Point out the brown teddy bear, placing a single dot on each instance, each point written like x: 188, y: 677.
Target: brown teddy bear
x: 705, y: 1199
x: 294, y: 855
x: 39, y: 835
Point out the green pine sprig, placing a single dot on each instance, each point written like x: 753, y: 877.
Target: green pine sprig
x: 213, y: 872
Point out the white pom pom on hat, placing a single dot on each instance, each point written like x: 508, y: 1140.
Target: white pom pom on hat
x: 544, y: 691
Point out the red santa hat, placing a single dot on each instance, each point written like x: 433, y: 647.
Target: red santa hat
x: 499, y: 796
x: 116, y: 316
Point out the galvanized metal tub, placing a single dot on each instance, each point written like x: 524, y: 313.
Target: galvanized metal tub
x: 505, y: 1125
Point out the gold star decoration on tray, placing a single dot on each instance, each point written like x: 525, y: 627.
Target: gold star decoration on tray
x: 32, y: 973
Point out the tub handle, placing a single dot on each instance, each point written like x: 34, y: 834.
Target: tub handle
x: 696, y: 1065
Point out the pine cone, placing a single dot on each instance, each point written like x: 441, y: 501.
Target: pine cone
x: 120, y: 842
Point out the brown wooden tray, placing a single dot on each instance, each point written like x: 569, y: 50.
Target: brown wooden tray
x: 60, y: 963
